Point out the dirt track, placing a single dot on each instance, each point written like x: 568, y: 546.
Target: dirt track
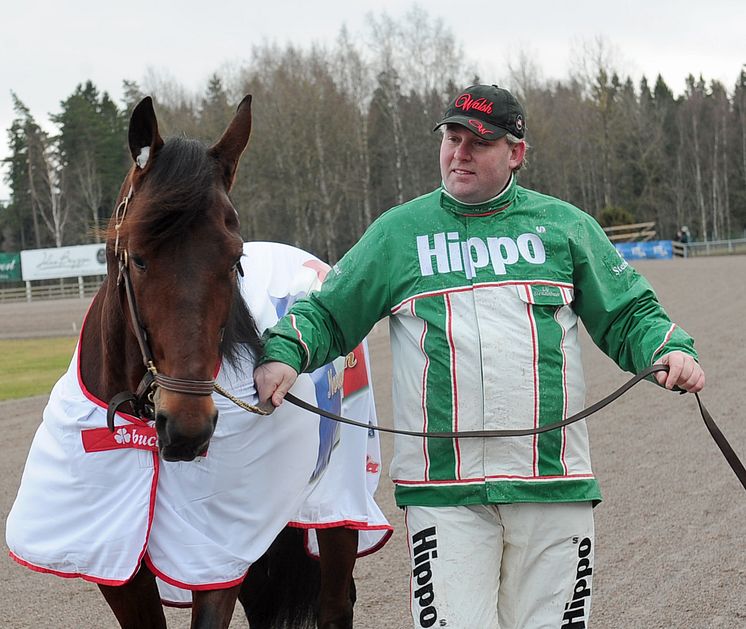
x: 670, y: 534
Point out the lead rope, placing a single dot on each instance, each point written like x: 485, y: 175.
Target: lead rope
x: 482, y: 434
x: 722, y: 443
x: 258, y: 410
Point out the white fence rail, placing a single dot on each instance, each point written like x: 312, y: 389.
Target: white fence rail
x: 712, y: 248
x: 82, y: 287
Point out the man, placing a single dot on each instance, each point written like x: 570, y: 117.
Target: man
x: 484, y: 282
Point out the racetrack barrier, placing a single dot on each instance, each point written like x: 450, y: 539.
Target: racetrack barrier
x: 714, y: 248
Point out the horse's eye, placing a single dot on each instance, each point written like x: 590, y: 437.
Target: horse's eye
x: 138, y: 262
x: 238, y: 268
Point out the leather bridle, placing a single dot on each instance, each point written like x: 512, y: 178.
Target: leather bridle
x: 143, y: 399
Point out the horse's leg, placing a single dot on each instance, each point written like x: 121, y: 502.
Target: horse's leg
x: 136, y: 604
x: 255, y: 592
x: 281, y: 588
x: 213, y: 609
x: 337, y: 553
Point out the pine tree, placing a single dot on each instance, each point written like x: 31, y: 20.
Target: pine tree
x: 34, y: 182
x: 93, y: 158
x: 214, y: 110
x: 18, y: 221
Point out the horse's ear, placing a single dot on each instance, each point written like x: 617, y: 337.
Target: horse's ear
x: 144, y: 139
x: 229, y: 148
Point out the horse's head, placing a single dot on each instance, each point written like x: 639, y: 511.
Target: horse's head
x: 175, y: 237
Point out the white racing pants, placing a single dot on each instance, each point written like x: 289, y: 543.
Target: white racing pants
x: 508, y: 566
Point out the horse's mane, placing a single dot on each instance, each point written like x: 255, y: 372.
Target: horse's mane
x: 241, y: 337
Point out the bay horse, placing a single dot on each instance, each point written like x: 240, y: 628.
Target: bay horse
x: 165, y: 316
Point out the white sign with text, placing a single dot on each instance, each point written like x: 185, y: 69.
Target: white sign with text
x: 58, y: 262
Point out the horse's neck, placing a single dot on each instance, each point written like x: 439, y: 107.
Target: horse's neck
x: 110, y: 360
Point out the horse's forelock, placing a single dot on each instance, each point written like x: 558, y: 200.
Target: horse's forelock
x: 181, y: 183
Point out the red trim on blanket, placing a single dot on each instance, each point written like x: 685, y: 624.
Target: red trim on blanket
x: 349, y: 524
x: 379, y: 545
x: 186, y: 586
x: 66, y: 575
x: 92, y: 398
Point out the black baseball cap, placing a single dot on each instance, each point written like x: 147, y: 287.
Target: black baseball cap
x: 488, y: 111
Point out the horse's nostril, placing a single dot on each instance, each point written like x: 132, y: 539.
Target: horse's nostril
x: 161, y: 427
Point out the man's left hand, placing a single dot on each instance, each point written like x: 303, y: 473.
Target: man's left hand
x: 683, y: 372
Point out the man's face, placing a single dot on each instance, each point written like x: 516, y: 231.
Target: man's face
x: 474, y: 169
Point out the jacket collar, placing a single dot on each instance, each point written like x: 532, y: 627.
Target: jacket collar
x: 491, y: 206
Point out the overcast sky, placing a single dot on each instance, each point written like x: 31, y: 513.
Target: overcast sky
x: 48, y: 47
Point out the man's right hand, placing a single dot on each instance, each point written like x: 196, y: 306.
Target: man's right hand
x: 273, y: 380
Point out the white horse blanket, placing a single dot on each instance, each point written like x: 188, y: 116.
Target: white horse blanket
x: 93, y: 504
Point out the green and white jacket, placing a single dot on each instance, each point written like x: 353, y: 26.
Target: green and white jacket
x: 484, y: 303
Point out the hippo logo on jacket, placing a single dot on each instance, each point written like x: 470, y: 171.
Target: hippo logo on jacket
x: 445, y: 253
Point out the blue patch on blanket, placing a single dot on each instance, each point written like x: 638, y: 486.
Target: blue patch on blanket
x: 328, y: 396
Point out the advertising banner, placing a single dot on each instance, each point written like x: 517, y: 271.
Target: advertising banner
x: 10, y: 267
x: 77, y: 261
x: 650, y: 249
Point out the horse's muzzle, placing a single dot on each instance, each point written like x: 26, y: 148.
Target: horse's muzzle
x: 174, y: 445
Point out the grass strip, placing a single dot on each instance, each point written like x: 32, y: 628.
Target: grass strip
x: 31, y: 366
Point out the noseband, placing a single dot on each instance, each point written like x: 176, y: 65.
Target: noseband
x: 143, y: 399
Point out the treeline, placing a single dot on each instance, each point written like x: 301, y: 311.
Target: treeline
x: 342, y: 133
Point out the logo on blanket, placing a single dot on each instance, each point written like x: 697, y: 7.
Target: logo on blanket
x: 356, y: 373
x: 335, y: 383
x: 122, y: 436
x: 371, y: 466
x: 139, y: 437
x: 328, y: 385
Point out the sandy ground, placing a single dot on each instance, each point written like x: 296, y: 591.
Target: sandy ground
x: 671, y: 545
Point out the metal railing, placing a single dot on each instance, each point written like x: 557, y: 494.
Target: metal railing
x: 711, y: 248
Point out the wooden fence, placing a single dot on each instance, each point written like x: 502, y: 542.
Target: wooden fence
x: 635, y: 232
